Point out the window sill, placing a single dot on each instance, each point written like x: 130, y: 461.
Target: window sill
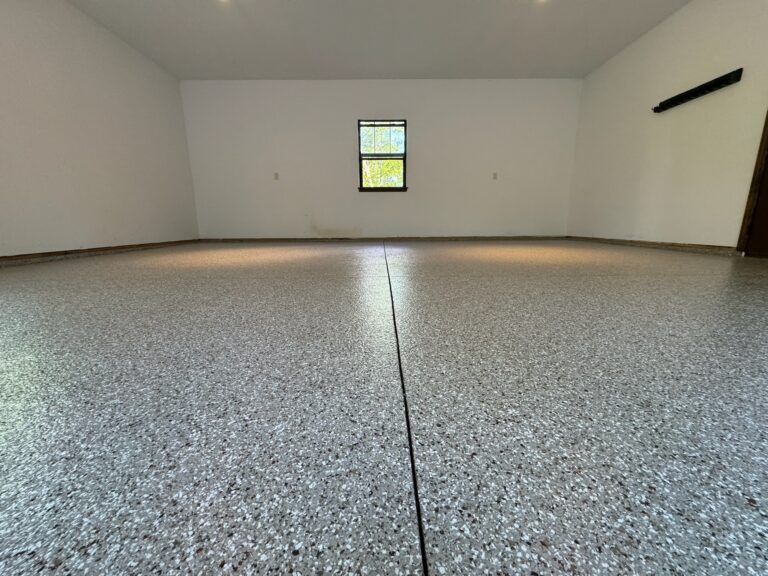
x: 400, y: 189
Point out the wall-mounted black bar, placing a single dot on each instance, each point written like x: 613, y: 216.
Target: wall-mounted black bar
x: 699, y: 91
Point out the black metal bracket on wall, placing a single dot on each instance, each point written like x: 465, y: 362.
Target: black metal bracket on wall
x: 699, y: 91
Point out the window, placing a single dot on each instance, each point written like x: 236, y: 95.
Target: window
x: 382, y: 155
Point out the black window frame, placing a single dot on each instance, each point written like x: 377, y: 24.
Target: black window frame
x: 390, y: 156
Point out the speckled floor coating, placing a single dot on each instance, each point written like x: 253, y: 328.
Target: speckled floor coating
x: 586, y: 409
x: 576, y: 408
x: 206, y: 410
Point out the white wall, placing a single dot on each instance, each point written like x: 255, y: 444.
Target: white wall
x: 459, y: 133
x: 92, y: 140
x: 681, y: 176
x: 93, y: 147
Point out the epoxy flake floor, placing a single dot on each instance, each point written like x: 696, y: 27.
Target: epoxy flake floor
x: 575, y: 408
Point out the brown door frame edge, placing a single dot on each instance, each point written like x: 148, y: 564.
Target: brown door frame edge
x: 754, y: 190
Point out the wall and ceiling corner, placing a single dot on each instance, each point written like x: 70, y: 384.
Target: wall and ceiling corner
x: 97, y: 148
x: 229, y: 49
x: 92, y: 137
x: 682, y: 176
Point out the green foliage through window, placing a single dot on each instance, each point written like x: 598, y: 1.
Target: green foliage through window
x: 383, y: 173
x: 382, y: 154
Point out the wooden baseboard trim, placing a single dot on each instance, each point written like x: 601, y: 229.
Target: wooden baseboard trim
x: 19, y: 259
x: 383, y: 239
x: 698, y: 248
x: 65, y: 254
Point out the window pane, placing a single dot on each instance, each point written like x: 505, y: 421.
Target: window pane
x: 367, y: 145
x: 382, y: 173
x: 382, y: 139
x: 398, y: 140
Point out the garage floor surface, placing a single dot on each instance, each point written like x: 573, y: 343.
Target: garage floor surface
x: 541, y: 407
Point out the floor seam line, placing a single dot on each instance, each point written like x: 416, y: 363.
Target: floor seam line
x: 414, y: 478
